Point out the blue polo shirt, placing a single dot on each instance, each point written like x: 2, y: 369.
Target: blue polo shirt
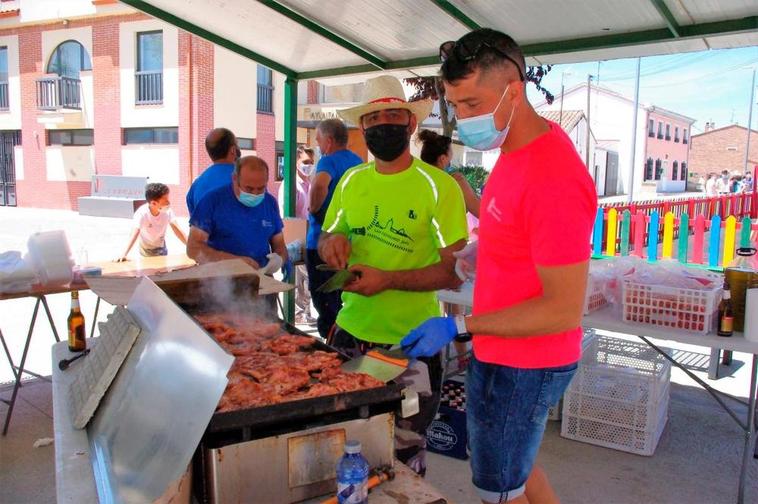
x: 235, y: 228
x: 335, y: 164
x: 215, y: 176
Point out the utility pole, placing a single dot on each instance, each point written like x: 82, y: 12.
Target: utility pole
x: 634, y: 132
x: 589, y: 128
x: 749, y: 124
x: 560, y: 114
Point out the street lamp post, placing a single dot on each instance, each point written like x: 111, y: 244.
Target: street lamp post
x: 560, y: 114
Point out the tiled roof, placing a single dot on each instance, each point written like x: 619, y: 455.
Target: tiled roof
x: 569, y: 119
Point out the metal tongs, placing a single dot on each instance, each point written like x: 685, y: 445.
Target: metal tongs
x: 341, y: 277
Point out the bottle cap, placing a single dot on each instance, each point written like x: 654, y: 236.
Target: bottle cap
x: 352, y: 446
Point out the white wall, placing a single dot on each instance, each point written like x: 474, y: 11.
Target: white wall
x: 279, y: 105
x: 52, y: 39
x: 611, y: 119
x: 166, y: 114
x: 12, y: 118
x: 18, y: 161
x: 235, y: 92
x: 40, y: 10
x: 159, y: 162
x: 69, y: 163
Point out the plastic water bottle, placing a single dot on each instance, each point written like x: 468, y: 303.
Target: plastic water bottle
x: 352, y: 475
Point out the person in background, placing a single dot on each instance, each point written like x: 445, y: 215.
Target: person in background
x: 305, y: 169
x: 722, y: 183
x: 748, y: 185
x: 304, y: 164
x: 710, y: 185
x: 437, y: 150
x: 395, y: 223
x: 533, y: 258
x: 151, y: 221
x: 239, y: 220
x: 222, y: 148
x: 735, y: 184
x: 336, y: 159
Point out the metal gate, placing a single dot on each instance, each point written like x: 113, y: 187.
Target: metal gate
x: 8, y: 140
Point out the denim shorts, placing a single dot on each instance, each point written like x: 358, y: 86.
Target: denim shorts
x: 506, y: 413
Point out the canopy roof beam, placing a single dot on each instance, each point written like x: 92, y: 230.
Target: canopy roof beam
x: 665, y: 12
x: 323, y: 31
x: 457, y: 14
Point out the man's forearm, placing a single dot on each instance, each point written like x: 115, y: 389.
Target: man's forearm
x: 435, y: 277
x: 534, y: 317
x: 203, y: 253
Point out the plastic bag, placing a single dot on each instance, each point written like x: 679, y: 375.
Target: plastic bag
x: 613, y: 272
x: 16, y: 274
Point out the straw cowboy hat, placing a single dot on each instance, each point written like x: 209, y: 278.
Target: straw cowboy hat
x: 385, y: 92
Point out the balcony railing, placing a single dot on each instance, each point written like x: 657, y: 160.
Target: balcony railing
x: 4, y: 103
x: 55, y: 93
x: 265, y: 98
x: 148, y: 87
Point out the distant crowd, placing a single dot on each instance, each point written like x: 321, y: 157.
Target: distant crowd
x: 727, y: 183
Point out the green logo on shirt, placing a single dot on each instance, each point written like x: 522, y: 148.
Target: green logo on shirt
x: 388, y: 234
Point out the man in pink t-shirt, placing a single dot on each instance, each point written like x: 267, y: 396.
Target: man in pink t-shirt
x: 535, y: 222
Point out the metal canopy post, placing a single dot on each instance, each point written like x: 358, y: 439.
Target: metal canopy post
x: 290, y: 158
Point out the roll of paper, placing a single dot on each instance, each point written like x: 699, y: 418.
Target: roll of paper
x: 751, y: 315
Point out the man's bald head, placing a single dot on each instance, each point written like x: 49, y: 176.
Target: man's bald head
x: 253, y: 163
x: 221, y: 144
x: 250, y: 175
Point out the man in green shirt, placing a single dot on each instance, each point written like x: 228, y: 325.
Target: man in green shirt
x: 395, y: 223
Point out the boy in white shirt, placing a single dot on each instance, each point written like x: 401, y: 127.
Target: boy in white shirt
x: 151, y: 221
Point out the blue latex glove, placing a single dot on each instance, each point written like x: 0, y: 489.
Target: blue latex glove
x: 289, y: 270
x: 430, y: 337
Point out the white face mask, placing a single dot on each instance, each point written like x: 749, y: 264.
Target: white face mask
x: 306, y: 169
x: 480, y: 133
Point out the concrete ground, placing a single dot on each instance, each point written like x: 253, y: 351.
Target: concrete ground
x: 697, y: 459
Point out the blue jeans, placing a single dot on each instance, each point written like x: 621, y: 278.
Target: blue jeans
x: 506, y: 413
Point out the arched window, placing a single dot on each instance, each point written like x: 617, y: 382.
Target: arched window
x: 675, y: 171
x: 658, y: 169
x: 68, y: 59
x: 684, y: 171
x: 649, y: 169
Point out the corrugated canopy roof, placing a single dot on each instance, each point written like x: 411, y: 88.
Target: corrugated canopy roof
x: 307, y: 39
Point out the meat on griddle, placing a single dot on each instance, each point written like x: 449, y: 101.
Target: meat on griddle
x: 272, y: 366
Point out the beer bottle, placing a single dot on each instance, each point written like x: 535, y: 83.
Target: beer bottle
x: 726, y: 313
x: 76, y: 331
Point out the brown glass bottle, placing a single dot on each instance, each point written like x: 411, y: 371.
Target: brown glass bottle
x: 76, y: 331
x: 726, y: 314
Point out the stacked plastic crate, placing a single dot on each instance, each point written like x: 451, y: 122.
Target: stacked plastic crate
x: 619, y: 397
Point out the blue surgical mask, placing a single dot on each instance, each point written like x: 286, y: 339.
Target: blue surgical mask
x: 251, y: 200
x: 480, y: 133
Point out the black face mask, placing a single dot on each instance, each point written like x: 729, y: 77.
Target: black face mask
x: 387, y: 141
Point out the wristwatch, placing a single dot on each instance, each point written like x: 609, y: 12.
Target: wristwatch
x: 463, y: 335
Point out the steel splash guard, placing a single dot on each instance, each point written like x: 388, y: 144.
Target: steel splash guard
x: 153, y: 416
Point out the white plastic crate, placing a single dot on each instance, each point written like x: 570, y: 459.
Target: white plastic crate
x: 594, y: 299
x: 619, y: 397
x: 677, y: 308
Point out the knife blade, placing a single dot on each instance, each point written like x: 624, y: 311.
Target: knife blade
x: 337, y: 281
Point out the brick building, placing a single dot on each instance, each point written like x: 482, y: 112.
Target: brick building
x: 719, y: 149
x: 93, y: 87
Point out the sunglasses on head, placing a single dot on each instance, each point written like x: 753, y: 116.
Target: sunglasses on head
x: 467, y: 52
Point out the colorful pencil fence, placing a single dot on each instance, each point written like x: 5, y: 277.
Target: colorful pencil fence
x: 713, y: 241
